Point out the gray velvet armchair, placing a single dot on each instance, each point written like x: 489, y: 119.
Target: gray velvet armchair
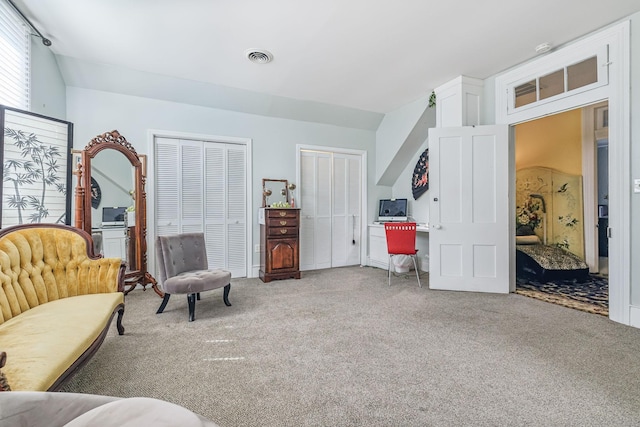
x: 183, y: 269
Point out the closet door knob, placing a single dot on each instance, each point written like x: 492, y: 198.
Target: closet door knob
x: 437, y: 226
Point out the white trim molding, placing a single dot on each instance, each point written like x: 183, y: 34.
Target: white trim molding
x: 617, y: 40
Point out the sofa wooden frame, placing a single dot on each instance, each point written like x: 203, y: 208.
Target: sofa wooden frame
x: 93, y: 348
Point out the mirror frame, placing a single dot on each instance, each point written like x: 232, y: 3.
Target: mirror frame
x: 264, y: 196
x: 115, y: 141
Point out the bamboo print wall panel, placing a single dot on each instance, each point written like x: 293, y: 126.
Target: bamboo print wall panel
x: 36, y: 168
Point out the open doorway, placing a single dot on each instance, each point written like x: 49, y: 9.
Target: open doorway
x: 558, y: 240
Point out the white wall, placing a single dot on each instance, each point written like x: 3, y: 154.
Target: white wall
x: 392, y: 134
x: 47, y: 86
x: 274, y: 139
x: 635, y: 157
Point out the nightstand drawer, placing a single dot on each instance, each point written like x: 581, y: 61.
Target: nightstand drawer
x: 282, y: 231
x: 282, y: 222
x: 282, y: 213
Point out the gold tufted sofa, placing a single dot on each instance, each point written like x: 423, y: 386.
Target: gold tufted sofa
x: 57, y: 300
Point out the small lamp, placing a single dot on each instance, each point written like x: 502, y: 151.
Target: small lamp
x: 292, y: 187
x: 266, y: 192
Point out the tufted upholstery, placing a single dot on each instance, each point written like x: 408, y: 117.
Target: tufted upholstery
x: 42, y: 264
x: 183, y: 268
x: 193, y: 282
x: 181, y: 253
x: 57, y: 300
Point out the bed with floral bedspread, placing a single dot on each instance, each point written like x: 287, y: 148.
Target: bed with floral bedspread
x: 549, y: 225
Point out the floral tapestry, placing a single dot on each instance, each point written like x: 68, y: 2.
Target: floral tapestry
x: 36, y: 168
x: 549, y: 204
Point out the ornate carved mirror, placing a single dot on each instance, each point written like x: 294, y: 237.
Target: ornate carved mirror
x: 110, y: 168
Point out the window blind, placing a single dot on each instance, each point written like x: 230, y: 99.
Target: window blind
x: 15, y: 54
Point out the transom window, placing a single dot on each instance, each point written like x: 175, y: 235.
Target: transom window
x: 566, y: 79
x: 531, y: 90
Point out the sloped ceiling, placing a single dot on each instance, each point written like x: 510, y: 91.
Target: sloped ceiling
x: 362, y: 57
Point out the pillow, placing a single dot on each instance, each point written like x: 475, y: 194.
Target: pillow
x: 527, y: 240
x: 524, y: 230
x: 140, y: 411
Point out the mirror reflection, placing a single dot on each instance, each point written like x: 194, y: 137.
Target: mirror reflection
x: 112, y: 189
x: 274, y: 191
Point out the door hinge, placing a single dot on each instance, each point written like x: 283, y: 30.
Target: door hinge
x: 608, y: 232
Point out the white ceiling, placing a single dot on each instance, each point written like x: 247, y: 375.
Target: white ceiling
x: 370, y: 55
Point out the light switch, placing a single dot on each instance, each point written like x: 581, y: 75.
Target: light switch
x: 636, y: 185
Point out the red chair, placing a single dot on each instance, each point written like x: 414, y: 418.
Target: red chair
x: 401, y: 240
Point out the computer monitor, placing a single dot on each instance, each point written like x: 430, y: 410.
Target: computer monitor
x: 113, y: 216
x: 392, y: 210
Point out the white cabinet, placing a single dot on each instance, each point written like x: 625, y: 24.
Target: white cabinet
x: 114, y: 242
x: 378, y: 256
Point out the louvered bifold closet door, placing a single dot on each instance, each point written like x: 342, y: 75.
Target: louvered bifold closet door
x: 215, y: 195
x: 345, y: 230
x: 315, y: 214
x: 225, y: 211
x: 201, y: 186
x: 236, y: 210
x: 167, y: 187
x: 192, y: 194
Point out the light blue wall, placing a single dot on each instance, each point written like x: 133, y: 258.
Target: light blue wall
x: 47, y: 85
x: 274, y: 139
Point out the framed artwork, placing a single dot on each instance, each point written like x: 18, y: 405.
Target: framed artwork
x: 420, y: 179
x: 35, y: 156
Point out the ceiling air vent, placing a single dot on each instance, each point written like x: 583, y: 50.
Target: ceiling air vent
x: 259, y: 56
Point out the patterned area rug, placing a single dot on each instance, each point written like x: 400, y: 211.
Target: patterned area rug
x: 591, y: 296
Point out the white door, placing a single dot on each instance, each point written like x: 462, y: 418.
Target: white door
x: 201, y: 187
x: 345, y: 221
x: 471, y: 227
x: 315, y: 213
x: 330, y: 224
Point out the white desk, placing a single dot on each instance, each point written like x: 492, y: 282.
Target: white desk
x: 114, y: 241
x: 420, y: 227
x: 378, y: 256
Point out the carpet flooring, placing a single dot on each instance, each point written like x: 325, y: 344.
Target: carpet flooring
x: 340, y: 347
x: 591, y: 295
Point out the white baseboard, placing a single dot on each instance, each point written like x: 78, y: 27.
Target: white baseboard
x: 634, y: 316
x: 255, y: 270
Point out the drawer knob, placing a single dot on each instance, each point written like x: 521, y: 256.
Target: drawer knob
x: 283, y: 222
x: 283, y: 213
x: 283, y: 231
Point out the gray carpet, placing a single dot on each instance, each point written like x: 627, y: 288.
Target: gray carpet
x: 341, y: 348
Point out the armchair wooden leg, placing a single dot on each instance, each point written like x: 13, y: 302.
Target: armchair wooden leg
x: 198, y: 296
x: 191, y: 300
x: 119, y: 321
x: 165, y: 300
x: 225, y: 295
